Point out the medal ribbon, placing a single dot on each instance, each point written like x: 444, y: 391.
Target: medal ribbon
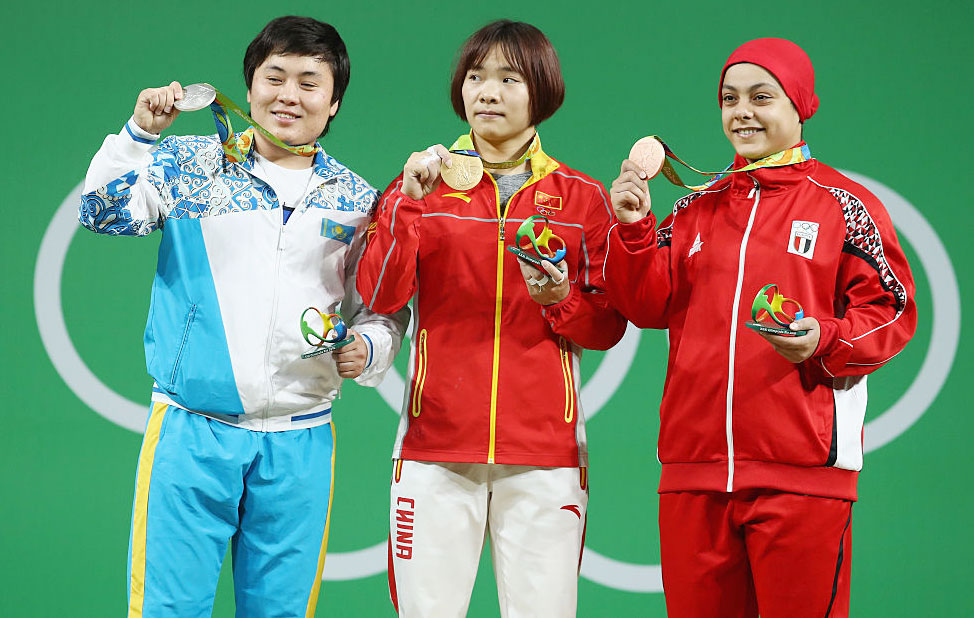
x: 236, y: 148
x: 464, y: 145
x: 791, y: 156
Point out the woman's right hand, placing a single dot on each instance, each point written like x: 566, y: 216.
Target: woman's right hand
x: 154, y: 110
x: 421, y: 174
x: 630, y: 193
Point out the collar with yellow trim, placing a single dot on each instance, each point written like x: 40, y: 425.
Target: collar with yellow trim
x: 541, y: 163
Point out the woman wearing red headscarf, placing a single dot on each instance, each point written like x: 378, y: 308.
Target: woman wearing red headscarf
x: 761, y: 434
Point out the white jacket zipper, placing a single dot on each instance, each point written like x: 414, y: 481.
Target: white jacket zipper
x: 729, y: 418
x: 273, y: 320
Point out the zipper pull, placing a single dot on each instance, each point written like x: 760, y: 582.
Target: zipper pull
x: 500, y: 225
x: 754, y: 188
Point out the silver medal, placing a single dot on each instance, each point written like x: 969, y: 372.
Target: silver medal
x: 195, y: 97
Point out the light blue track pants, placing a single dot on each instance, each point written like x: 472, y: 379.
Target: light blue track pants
x: 201, y: 484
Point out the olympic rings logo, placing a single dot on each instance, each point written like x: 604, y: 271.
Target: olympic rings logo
x: 887, y: 426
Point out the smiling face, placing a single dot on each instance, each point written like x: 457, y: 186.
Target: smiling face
x: 291, y: 96
x: 758, y: 117
x: 496, y: 101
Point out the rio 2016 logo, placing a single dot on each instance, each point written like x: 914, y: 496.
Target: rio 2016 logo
x: 884, y: 428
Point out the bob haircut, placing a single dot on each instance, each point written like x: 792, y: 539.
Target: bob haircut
x: 530, y: 53
x: 301, y: 36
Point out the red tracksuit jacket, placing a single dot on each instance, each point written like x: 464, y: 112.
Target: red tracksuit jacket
x: 493, y: 377
x: 735, y: 414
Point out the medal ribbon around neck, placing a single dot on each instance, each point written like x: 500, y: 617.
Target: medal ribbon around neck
x: 236, y: 148
x: 792, y: 156
x: 464, y: 145
x: 198, y: 96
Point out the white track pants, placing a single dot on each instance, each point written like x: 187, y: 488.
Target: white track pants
x: 439, y: 518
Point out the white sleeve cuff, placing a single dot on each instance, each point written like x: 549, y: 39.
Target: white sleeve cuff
x: 137, y: 133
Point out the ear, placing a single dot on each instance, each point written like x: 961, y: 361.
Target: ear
x: 248, y: 95
x: 334, y: 108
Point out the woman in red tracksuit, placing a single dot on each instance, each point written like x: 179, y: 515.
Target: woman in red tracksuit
x: 761, y: 434
x: 492, y: 436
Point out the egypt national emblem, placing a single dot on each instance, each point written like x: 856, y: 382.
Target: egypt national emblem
x: 802, y: 239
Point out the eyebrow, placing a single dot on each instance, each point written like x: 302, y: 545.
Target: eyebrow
x: 757, y: 86
x: 504, y: 69
x: 274, y: 67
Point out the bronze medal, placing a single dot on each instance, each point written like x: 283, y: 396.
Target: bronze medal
x: 649, y: 154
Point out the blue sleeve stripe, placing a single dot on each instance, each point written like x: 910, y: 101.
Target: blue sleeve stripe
x: 368, y: 363
x: 135, y: 137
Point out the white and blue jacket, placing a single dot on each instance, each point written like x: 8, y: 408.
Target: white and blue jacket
x: 223, y: 336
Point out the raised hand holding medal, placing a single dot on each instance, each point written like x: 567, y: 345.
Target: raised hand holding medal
x: 155, y: 108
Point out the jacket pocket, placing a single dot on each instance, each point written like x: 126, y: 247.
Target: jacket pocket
x: 420, y: 375
x: 565, y: 349
x: 190, y: 318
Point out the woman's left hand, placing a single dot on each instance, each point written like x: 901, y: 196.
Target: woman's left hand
x: 548, y: 286
x: 796, y: 349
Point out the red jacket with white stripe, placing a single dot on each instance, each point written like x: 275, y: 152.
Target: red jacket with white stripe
x: 735, y: 414
x: 493, y: 378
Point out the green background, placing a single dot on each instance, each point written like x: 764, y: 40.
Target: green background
x: 894, y: 79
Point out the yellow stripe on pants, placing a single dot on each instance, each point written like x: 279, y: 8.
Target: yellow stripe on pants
x: 140, y: 512
x: 313, y: 600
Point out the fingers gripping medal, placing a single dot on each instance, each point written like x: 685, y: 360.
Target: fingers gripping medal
x: 545, y: 247
x: 325, y: 332
x: 769, y: 303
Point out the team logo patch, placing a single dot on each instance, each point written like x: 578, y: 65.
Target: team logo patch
x: 803, y: 237
x: 697, y: 246
x: 337, y: 231
x: 546, y: 204
x: 370, y: 231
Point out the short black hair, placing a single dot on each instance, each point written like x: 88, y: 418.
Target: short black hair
x: 301, y: 36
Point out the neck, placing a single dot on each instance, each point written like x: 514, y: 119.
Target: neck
x: 279, y: 156
x: 506, y: 149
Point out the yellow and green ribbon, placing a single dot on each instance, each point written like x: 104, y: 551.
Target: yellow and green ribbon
x: 791, y: 156
x: 464, y: 145
x: 236, y: 147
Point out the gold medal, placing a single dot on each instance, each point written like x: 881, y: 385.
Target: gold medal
x: 649, y: 154
x: 465, y: 173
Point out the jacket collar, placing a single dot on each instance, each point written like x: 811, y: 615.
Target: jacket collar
x: 770, y: 179
x: 541, y: 163
x: 324, y: 166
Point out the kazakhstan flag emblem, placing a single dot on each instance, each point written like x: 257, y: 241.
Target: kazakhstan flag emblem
x: 337, y: 231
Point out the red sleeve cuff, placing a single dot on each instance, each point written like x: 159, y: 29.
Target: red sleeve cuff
x: 559, y: 312
x: 639, y: 234
x: 828, y: 337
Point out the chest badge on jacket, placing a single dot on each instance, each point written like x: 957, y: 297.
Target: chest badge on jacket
x: 803, y: 237
x: 697, y: 246
x: 337, y: 231
x: 546, y: 204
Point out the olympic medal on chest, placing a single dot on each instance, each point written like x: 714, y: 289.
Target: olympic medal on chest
x: 464, y: 173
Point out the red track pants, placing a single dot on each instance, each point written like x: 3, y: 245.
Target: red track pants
x: 735, y: 555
